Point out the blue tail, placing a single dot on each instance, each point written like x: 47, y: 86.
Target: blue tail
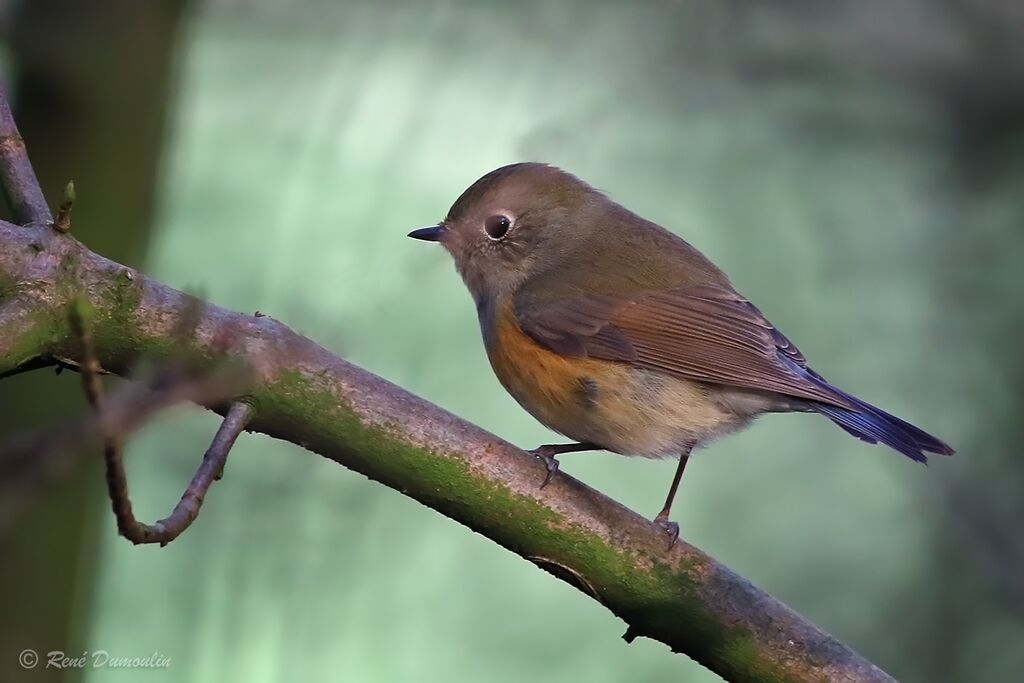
x: 874, y: 425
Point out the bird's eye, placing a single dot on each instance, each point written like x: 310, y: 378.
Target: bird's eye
x: 497, y: 226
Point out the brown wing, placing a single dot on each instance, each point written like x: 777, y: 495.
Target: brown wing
x: 705, y: 333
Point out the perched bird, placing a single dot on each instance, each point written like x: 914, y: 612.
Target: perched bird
x: 620, y: 335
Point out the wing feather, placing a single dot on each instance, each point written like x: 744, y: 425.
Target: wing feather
x: 705, y: 333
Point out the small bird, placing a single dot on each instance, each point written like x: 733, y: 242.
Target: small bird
x: 620, y: 335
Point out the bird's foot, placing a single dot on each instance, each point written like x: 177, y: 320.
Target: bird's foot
x: 670, y: 527
x: 547, y: 454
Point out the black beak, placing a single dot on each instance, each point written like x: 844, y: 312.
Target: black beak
x: 429, y: 234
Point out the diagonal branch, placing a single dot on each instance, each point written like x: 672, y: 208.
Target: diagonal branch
x: 18, y: 178
x: 302, y: 393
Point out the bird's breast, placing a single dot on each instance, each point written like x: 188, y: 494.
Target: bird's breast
x: 618, y: 406
x: 555, y: 389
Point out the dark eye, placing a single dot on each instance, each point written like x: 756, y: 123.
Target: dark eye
x: 497, y: 226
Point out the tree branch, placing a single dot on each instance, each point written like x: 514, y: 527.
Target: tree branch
x: 21, y: 189
x: 302, y: 393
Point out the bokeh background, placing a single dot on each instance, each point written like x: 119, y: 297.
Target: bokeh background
x: 857, y: 167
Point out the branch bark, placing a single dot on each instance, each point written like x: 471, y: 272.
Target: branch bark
x: 22, y: 191
x: 302, y: 393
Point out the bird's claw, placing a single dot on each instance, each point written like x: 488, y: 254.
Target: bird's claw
x: 670, y: 527
x: 549, y: 462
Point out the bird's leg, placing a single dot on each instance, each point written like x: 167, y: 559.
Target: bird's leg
x: 662, y: 519
x: 547, y: 454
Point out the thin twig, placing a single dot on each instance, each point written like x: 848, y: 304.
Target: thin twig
x: 210, y: 469
x: 21, y: 189
x: 187, y: 509
x: 117, y: 482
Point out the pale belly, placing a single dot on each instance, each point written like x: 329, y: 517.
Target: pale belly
x: 617, y: 406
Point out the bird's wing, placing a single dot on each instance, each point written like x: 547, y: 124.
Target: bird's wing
x: 704, y: 333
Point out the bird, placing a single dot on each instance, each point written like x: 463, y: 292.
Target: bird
x: 621, y: 336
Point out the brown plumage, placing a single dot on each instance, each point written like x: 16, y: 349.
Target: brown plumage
x: 617, y: 333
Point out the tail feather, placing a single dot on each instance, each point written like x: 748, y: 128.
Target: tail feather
x: 874, y: 425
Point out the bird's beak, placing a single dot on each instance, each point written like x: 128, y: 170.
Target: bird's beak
x: 431, y: 233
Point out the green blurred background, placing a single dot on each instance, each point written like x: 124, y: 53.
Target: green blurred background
x: 857, y: 167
